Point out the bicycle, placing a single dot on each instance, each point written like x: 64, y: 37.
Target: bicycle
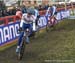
x: 52, y: 21
x: 23, y: 43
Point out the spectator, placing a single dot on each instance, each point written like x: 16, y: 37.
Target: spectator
x: 4, y: 13
x: 19, y: 13
x: 40, y: 7
x: 46, y: 7
x: 1, y: 13
x: 13, y: 11
x: 8, y: 12
x: 24, y: 9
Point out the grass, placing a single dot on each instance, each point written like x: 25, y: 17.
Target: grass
x: 8, y: 45
x: 55, y: 46
x: 58, y: 44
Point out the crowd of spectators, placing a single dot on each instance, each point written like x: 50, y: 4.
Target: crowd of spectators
x: 7, y: 12
x: 10, y: 12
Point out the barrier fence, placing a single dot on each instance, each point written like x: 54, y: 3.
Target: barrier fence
x: 9, y: 25
x: 7, y: 19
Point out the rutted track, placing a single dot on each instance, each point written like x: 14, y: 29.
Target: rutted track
x: 57, y: 44
x: 9, y: 56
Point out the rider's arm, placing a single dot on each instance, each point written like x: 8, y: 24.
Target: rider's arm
x: 33, y: 18
x: 47, y: 12
x: 22, y: 21
x: 54, y: 10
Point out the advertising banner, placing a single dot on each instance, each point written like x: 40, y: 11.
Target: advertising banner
x: 65, y: 14
x: 42, y: 21
x: 60, y: 15
x: 9, y: 32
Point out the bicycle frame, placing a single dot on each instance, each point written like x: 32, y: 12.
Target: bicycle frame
x: 23, y: 44
x: 52, y: 21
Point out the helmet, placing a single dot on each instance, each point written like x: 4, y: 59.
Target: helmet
x: 30, y: 11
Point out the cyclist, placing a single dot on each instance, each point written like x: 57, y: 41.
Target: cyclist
x: 51, y: 11
x: 51, y: 14
x: 26, y: 22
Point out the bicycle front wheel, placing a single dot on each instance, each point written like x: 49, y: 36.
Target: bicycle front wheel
x: 22, y: 49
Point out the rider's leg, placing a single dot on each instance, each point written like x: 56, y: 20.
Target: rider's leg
x: 27, y: 40
x: 21, y: 34
x: 20, y: 40
x: 27, y: 37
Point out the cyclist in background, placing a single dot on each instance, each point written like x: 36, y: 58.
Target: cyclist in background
x: 26, y: 22
x: 51, y: 15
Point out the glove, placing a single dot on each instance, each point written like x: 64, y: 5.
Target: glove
x: 20, y: 29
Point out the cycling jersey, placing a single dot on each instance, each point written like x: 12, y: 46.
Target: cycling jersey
x: 27, y: 20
